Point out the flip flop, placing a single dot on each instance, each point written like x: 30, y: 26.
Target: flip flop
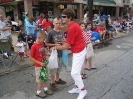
x: 83, y: 74
x: 93, y: 68
x: 83, y: 77
x: 87, y: 69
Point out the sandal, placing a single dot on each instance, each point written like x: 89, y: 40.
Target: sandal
x: 87, y: 68
x: 83, y: 77
x: 83, y: 73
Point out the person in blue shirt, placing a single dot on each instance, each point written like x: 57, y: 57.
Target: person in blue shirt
x: 30, y: 25
x: 36, y: 31
x: 26, y: 19
x: 52, y: 18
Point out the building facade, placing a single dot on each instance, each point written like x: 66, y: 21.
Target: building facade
x: 18, y: 8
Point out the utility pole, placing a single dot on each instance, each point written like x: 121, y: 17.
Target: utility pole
x: 89, y: 6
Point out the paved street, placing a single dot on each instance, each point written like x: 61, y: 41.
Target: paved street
x: 112, y: 80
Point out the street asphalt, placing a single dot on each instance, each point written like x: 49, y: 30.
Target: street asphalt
x: 113, y: 78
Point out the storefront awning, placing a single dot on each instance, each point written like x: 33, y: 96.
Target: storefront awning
x: 105, y: 1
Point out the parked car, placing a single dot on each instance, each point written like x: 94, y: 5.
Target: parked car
x: 14, y: 25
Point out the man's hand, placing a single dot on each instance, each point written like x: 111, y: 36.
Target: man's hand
x: 42, y: 64
x: 63, y: 40
x: 57, y: 44
x: 35, y: 27
x: 9, y: 28
x: 5, y: 28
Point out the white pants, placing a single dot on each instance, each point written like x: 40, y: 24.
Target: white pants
x: 77, y: 63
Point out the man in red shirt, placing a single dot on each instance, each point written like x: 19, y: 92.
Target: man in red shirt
x: 75, y: 42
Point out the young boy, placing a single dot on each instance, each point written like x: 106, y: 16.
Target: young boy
x: 30, y: 40
x: 55, y: 38
x: 36, y: 55
x: 24, y: 38
x: 21, y: 47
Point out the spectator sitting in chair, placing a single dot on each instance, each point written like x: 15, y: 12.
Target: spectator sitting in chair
x: 128, y: 23
x: 101, y: 30
x: 115, y: 23
x: 123, y: 26
x: 109, y: 27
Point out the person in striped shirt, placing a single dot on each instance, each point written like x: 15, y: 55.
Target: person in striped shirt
x: 86, y: 32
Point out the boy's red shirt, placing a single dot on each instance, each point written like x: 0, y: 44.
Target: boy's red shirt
x: 75, y: 38
x: 99, y: 28
x: 38, y: 52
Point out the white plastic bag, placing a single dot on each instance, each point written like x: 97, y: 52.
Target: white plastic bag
x: 53, y: 60
x: 89, y: 51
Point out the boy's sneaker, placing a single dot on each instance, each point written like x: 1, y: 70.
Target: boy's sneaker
x: 60, y: 81
x: 49, y: 92
x: 82, y: 94
x: 74, y: 90
x: 41, y: 95
x: 53, y: 87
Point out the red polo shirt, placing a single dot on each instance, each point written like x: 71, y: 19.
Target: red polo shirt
x: 75, y: 38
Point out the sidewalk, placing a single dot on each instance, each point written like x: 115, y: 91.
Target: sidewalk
x: 27, y: 62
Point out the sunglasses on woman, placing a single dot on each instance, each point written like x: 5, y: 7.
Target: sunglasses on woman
x: 64, y: 16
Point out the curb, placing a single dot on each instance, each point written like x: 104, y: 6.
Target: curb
x: 113, y: 38
x: 28, y: 65
x: 14, y: 69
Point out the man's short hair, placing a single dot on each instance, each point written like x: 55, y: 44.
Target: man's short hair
x: 57, y: 18
x: 69, y: 12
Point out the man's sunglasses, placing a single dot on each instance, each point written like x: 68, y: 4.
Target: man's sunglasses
x: 64, y: 16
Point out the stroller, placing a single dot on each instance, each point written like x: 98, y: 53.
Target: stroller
x: 7, y: 53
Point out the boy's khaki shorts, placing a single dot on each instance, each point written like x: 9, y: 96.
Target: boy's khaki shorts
x: 37, y: 73
x: 57, y: 70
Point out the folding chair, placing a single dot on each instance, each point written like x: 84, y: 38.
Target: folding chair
x: 7, y: 53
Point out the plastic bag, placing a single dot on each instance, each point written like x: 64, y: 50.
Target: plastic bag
x: 53, y: 61
x: 43, y: 74
x: 90, y: 51
x: 65, y: 58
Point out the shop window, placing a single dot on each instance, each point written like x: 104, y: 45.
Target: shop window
x: 45, y: 7
x: 74, y: 7
x: 126, y: 1
x: 9, y: 12
x: 62, y: 6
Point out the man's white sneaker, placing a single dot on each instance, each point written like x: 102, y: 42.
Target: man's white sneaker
x: 74, y: 90
x: 82, y: 94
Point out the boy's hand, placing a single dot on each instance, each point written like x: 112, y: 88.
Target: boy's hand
x: 48, y: 54
x: 42, y: 64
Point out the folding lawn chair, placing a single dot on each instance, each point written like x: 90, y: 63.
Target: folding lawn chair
x: 7, y: 53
